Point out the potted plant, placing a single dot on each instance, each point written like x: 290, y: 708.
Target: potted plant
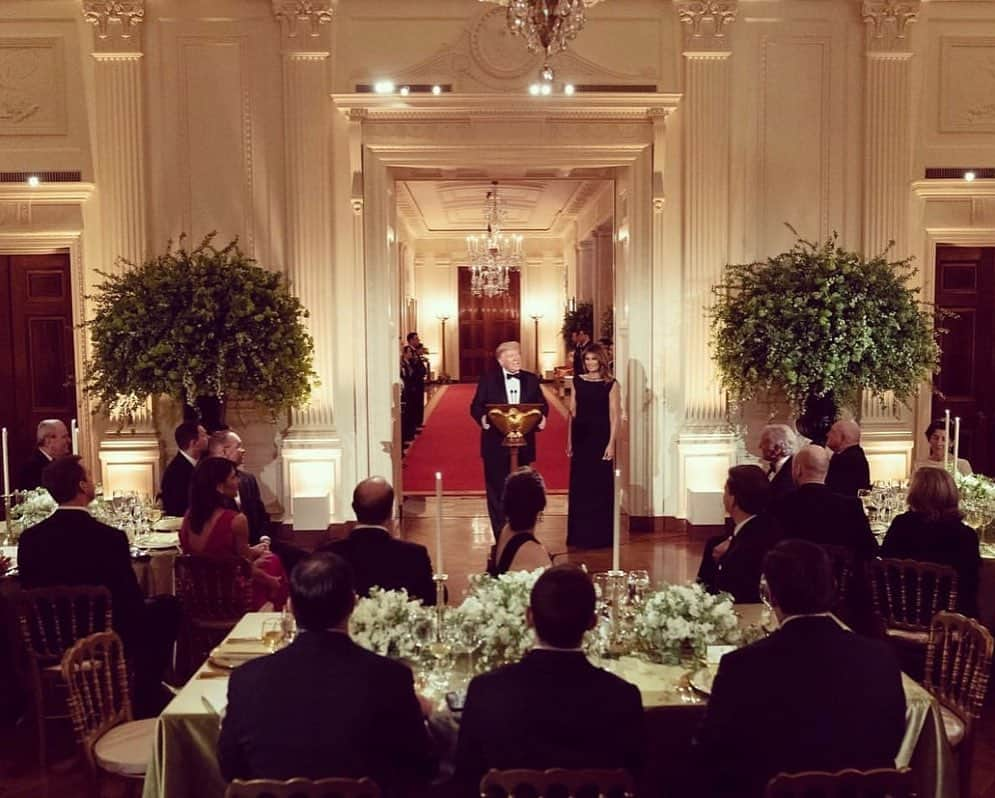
x: 819, y: 324
x: 580, y: 317
x: 202, y: 326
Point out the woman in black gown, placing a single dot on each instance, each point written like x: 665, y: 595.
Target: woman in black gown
x: 595, y: 410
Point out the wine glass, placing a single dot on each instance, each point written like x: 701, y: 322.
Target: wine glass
x: 272, y: 633
x: 639, y: 583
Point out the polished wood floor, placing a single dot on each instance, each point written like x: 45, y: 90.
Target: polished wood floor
x: 466, y: 539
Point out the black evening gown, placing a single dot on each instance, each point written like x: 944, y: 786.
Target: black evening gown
x: 589, y: 518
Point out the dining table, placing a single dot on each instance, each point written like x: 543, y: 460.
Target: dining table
x: 184, y: 758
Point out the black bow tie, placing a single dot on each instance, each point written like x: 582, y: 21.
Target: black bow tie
x: 514, y: 376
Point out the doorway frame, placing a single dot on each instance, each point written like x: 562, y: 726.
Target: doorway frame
x: 616, y: 136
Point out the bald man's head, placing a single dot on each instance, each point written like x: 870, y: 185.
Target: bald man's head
x: 810, y: 464
x: 843, y: 435
x: 373, y: 501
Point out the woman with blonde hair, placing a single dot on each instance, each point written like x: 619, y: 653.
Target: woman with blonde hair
x: 595, y: 409
x: 932, y: 531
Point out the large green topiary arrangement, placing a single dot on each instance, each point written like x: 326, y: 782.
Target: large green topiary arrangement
x: 820, y: 321
x: 205, y: 322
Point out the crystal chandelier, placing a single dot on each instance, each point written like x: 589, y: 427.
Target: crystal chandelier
x: 546, y: 25
x: 494, y: 254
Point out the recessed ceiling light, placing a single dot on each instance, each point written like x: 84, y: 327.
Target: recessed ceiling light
x: 437, y: 90
x: 405, y: 90
x: 384, y: 87
x: 534, y: 89
x: 34, y: 180
x: 969, y: 176
x: 568, y: 89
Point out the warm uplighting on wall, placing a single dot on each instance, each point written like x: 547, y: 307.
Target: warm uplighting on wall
x: 623, y: 234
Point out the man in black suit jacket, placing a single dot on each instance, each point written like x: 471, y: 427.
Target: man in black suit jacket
x: 848, y: 468
x: 554, y: 708
x: 778, y: 443
x: 812, y: 696
x: 813, y: 512
x: 53, y: 441
x: 582, y: 340
x: 191, y: 444
x: 507, y: 385
x: 377, y: 558
x: 323, y: 706
x: 71, y: 547
x: 732, y: 563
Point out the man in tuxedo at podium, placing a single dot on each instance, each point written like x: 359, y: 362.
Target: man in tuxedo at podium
x: 507, y: 385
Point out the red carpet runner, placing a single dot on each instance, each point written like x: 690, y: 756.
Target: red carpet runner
x: 450, y: 443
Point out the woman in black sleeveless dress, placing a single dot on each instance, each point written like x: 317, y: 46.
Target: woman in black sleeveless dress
x: 517, y: 548
x: 595, y: 407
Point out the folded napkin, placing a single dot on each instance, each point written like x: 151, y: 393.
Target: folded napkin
x: 215, y: 695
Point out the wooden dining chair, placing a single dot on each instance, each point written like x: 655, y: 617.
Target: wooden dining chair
x: 113, y: 743
x: 958, y: 662
x: 214, y: 592
x: 303, y: 788
x: 883, y: 783
x: 559, y: 782
x: 51, y: 620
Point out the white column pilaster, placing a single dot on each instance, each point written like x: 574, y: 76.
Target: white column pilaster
x: 887, y: 178
x: 311, y: 451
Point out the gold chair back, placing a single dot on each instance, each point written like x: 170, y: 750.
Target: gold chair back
x: 303, y: 788
x: 883, y: 783
x: 96, y: 675
x: 52, y: 619
x: 908, y: 593
x: 560, y: 782
x: 958, y: 661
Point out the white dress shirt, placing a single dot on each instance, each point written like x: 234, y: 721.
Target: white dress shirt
x: 513, y: 388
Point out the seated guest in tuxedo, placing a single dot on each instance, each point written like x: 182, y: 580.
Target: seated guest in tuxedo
x: 325, y: 707
x: 932, y: 531
x: 71, y: 547
x: 778, y: 444
x: 731, y: 563
x: 522, y: 502
x: 848, y: 468
x: 554, y: 709
x: 211, y: 529
x: 812, y: 696
x: 53, y: 441
x: 378, y: 559
x: 191, y: 445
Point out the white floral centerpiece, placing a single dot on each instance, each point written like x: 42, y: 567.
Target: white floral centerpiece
x: 388, y: 622
x: 684, y: 619
x: 977, y: 502
x: 33, y: 507
x: 493, y: 613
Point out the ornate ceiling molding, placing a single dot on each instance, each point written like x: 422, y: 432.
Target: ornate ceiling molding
x: 104, y: 14
x: 705, y: 23
x: 313, y: 13
x: 888, y: 21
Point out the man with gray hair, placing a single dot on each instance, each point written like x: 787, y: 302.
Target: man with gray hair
x: 53, y: 441
x: 848, y: 470
x: 778, y: 443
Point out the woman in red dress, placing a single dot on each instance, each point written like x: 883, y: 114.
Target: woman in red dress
x: 211, y: 530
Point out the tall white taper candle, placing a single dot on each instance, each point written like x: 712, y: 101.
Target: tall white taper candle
x: 438, y: 523
x: 616, y: 524
x: 946, y: 437
x: 956, y: 442
x: 6, y: 465
x: 74, y: 431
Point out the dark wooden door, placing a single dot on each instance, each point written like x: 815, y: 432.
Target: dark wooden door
x: 37, y: 365
x: 485, y: 322
x: 965, y: 285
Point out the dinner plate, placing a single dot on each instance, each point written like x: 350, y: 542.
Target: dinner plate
x: 227, y: 659
x: 170, y: 523
x: 158, y: 540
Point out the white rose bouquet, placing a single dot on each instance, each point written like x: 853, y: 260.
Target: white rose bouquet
x: 390, y: 623
x: 34, y: 507
x: 685, y: 619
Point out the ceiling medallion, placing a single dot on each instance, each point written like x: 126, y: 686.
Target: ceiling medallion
x: 493, y: 255
x: 546, y: 25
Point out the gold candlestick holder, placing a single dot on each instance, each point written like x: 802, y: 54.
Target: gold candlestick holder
x: 8, y: 521
x: 440, y: 603
x: 617, y: 592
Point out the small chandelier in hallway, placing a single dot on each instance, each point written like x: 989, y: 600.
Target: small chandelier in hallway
x: 546, y: 25
x: 494, y: 254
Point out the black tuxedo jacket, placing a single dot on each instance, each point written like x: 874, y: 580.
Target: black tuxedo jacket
x: 949, y: 541
x: 71, y: 547
x: 738, y: 571
x: 176, y: 486
x: 578, y: 358
x: 813, y: 512
x: 552, y: 709
x: 29, y: 475
x: 325, y: 707
x: 491, y: 391
x: 252, y: 506
x: 812, y: 696
x: 849, y: 472
x: 378, y: 560
x: 783, y: 483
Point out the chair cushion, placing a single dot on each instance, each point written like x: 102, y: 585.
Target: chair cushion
x: 953, y: 726
x: 907, y: 636
x: 126, y: 749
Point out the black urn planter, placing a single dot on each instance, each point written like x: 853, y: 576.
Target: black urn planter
x: 818, y: 415
x: 208, y: 410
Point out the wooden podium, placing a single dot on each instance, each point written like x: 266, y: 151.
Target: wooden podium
x: 514, y: 422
